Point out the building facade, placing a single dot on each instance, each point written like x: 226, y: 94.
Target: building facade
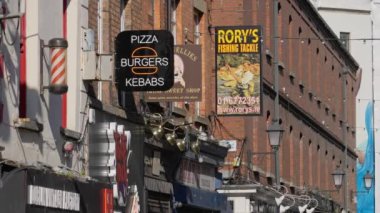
x: 120, y: 140
x: 43, y: 111
x: 360, y: 31
x: 93, y: 132
x: 317, y: 100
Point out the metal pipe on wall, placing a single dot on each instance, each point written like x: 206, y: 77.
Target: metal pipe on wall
x: 344, y: 132
x: 276, y: 100
x: 100, y: 42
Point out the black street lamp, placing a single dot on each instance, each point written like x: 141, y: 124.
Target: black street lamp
x: 338, y: 175
x: 275, y: 133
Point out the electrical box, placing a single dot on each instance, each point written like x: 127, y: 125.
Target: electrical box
x: 96, y: 67
x: 105, y: 67
x: 88, y: 42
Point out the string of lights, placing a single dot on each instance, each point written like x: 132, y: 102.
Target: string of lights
x: 366, y: 99
x: 238, y: 10
x: 302, y: 39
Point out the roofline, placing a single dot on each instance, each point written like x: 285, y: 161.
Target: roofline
x: 327, y: 32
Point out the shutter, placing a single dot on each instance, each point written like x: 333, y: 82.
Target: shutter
x: 158, y: 202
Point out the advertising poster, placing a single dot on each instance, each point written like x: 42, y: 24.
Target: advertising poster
x: 238, y: 68
x: 187, y: 76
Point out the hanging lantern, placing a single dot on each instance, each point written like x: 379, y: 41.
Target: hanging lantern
x: 58, y: 59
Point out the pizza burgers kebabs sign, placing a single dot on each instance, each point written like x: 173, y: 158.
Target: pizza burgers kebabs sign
x: 144, y: 60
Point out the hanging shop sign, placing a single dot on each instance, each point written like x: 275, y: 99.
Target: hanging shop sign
x: 238, y: 67
x: 144, y: 60
x: 187, y: 76
x: 116, y: 156
x: 122, y: 139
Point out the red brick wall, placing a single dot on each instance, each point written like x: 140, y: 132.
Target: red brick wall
x: 309, y: 160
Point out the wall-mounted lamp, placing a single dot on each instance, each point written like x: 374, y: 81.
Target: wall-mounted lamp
x: 285, y: 208
x: 368, y: 179
x: 312, y: 209
x: 280, y: 199
x: 181, y: 144
x: 303, y: 208
x: 157, y: 132
x: 155, y: 125
x: 196, y: 146
x: 171, y: 138
x: 58, y: 66
x: 306, y: 198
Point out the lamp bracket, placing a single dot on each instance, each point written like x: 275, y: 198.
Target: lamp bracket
x: 28, y: 124
x: 359, y: 192
x: 11, y: 16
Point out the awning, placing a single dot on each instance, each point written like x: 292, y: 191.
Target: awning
x: 158, y: 185
x: 31, y: 189
x: 199, y: 198
x: 247, y: 190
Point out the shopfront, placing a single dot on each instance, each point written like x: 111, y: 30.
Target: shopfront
x: 32, y: 190
x: 116, y: 143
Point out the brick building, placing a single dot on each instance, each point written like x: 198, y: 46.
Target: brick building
x: 81, y: 133
x: 174, y: 180
x: 311, y: 67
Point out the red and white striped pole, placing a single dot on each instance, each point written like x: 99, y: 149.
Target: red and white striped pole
x: 58, y: 59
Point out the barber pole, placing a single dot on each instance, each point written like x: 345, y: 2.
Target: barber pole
x: 58, y: 59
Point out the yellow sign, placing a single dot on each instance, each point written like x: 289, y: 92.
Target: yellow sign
x: 238, y: 65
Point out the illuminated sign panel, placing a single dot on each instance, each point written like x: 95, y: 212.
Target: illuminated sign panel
x: 144, y: 60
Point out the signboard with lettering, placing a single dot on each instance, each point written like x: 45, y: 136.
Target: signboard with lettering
x: 35, y: 190
x: 187, y: 76
x: 53, y: 198
x: 238, y: 67
x: 144, y: 60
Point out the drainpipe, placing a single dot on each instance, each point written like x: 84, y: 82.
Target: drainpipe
x: 373, y: 102
x: 100, y: 42
x: 168, y: 27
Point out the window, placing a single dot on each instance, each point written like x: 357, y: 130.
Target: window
x: 173, y: 27
x: 197, y: 21
x: 150, y: 12
x: 345, y: 40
